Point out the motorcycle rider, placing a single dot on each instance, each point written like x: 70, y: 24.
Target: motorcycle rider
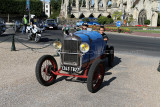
x: 32, y: 20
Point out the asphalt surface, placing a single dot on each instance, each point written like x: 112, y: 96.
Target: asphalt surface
x: 122, y: 43
x: 133, y: 81
x: 137, y: 45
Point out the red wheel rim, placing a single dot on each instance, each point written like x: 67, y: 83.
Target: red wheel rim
x: 45, y: 70
x: 98, y: 76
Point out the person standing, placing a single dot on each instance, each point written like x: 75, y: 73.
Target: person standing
x: 24, y: 22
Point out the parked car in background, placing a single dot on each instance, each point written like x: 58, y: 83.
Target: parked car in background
x: 92, y: 21
x: 2, y: 26
x: 41, y: 25
x: 51, y: 24
x: 89, y: 23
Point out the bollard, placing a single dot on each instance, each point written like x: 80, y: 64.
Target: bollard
x: 158, y: 67
x: 13, y: 48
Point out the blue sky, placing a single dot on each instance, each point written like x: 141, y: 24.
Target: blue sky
x: 46, y: 0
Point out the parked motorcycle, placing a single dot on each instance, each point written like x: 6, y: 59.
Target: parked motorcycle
x: 35, y: 33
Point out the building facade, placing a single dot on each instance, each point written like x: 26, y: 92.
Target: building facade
x: 141, y: 10
x: 47, y: 8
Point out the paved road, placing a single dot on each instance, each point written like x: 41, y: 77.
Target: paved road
x: 138, y: 45
x: 122, y: 43
x: 132, y: 82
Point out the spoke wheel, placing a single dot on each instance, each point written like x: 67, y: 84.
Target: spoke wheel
x: 95, y: 76
x: 45, y: 65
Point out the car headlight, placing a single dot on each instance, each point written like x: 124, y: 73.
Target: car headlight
x: 84, y: 47
x: 57, y: 45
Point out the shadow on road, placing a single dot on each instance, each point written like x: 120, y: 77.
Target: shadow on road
x: 117, y: 61
x: 46, y: 40
x: 60, y: 79
x: 107, y: 83
x: 5, y: 35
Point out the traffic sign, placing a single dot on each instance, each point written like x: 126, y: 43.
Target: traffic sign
x: 118, y: 23
x: 27, y: 5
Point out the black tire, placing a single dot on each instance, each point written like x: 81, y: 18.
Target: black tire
x: 37, y: 38
x: 46, y: 70
x: 95, y: 76
x: 111, y: 56
x: 30, y: 36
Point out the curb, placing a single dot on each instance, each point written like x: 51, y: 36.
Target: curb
x: 132, y: 35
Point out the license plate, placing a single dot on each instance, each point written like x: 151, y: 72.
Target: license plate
x: 50, y: 27
x: 68, y: 68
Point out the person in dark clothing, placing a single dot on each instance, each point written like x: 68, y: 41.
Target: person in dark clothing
x: 101, y: 31
x: 32, y: 20
x: 84, y: 26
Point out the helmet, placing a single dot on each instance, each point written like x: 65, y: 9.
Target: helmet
x: 85, y: 24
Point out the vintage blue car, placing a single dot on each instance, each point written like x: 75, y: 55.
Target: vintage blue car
x: 82, y: 55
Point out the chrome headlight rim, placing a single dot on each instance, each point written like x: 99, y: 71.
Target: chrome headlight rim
x: 80, y: 47
x: 55, y: 43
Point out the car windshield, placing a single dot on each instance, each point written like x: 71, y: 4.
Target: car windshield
x: 50, y: 21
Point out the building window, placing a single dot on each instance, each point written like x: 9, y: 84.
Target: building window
x: 46, y: 11
x: 46, y: 6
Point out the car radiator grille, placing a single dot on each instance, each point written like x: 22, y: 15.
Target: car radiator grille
x: 71, y: 46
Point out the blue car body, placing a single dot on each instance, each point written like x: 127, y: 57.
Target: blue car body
x: 96, y: 42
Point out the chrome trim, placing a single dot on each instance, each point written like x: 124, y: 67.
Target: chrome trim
x: 70, y: 53
x: 81, y: 56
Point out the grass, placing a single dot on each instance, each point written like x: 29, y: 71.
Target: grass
x: 147, y: 31
x: 140, y: 29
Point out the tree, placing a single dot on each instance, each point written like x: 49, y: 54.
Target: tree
x: 18, y: 7
x: 85, y: 20
x: 117, y: 15
x: 147, y: 22
x: 130, y: 19
x: 55, y: 8
x: 105, y: 20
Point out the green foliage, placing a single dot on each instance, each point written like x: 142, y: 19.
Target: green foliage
x: 105, y: 20
x: 147, y: 22
x: 85, y: 20
x: 117, y: 15
x: 119, y: 18
x: 130, y: 19
x: 110, y: 5
x: 55, y: 15
x: 158, y: 23
x: 55, y: 8
x: 19, y: 7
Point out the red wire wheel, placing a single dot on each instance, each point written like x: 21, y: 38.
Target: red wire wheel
x: 45, y: 65
x: 95, y: 76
